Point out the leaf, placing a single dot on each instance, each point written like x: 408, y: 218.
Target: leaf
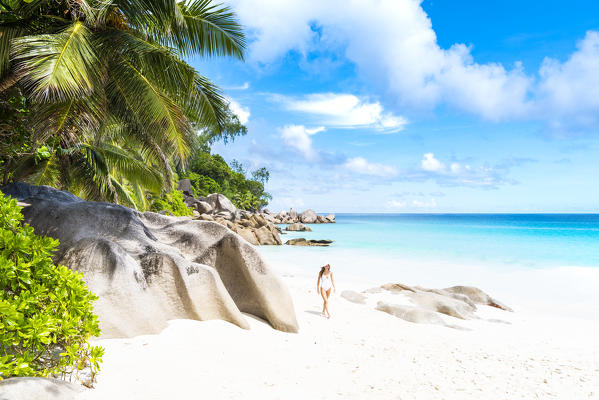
x: 59, y: 66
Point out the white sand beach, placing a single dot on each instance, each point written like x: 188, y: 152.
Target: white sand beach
x: 360, y: 353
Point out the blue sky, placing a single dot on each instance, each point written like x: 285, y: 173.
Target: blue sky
x: 418, y: 106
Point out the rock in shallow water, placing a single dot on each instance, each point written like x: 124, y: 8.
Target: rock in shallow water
x: 298, y: 227
x: 311, y: 242
x: 147, y: 268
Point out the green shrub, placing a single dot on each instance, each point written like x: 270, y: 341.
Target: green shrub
x: 46, y: 315
x: 173, y: 203
x: 202, y: 185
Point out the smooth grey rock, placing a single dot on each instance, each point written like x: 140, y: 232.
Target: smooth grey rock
x: 147, y: 268
x: 259, y: 220
x: 266, y: 237
x: 458, y: 301
x: 203, y: 207
x: 308, y: 217
x: 248, y: 234
x: 298, y: 227
x: 220, y: 203
x: 331, y: 218
x: 292, y: 213
x: 30, y: 388
x: 414, y: 314
x: 354, y: 297
x: 184, y: 186
x: 304, y: 242
x: 478, y: 296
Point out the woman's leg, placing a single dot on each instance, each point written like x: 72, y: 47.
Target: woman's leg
x: 325, y: 299
x: 327, y: 303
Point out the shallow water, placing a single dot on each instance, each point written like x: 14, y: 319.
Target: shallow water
x: 532, y: 240
x: 544, y: 258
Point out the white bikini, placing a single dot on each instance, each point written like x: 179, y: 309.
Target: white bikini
x: 325, y: 282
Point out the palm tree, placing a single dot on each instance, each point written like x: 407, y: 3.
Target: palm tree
x: 110, y: 94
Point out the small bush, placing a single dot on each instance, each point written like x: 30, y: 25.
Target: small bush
x: 172, y: 202
x: 46, y: 315
x: 202, y: 185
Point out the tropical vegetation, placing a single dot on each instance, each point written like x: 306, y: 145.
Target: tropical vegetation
x: 96, y: 98
x: 46, y: 314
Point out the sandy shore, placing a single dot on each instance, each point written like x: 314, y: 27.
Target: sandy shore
x: 360, y: 353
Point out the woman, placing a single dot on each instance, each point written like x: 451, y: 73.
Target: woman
x: 323, y: 286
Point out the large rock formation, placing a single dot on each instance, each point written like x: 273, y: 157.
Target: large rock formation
x: 308, y: 217
x: 218, y: 208
x: 428, y: 306
x: 220, y: 203
x: 298, y: 227
x: 29, y: 388
x: 148, y: 268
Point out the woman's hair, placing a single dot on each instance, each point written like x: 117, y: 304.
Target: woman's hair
x: 322, y: 270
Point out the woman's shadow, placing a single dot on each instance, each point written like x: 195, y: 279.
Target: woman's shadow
x: 314, y: 312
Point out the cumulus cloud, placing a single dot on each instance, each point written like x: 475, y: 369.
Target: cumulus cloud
x: 569, y: 91
x: 298, y: 137
x: 430, y: 163
x: 243, y: 113
x: 394, y: 47
x: 459, y: 174
x: 361, y: 166
x: 345, y: 111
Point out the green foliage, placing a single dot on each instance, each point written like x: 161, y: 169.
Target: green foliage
x: 173, y: 203
x: 16, y: 134
x: 209, y: 173
x: 46, y: 314
x: 202, y: 185
x: 261, y: 175
x: 230, y: 129
x: 104, y: 86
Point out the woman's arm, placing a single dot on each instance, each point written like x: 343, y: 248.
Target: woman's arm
x: 318, y: 284
x: 333, y: 282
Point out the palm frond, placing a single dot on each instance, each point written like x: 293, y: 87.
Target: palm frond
x: 122, y: 194
x: 124, y: 165
x: 7, y: 33
x: 159, y: 114
x: 204, y: 104
x: 47, y: 172
x: 149, y: 16
x: 208, y: 30
x: 57, y: 67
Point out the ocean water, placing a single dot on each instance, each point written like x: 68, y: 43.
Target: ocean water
x: 547, y: 258
x: 529, y: 240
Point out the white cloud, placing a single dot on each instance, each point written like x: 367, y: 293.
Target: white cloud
x: 569, y: 91
x: 459, y: 174
x: 298, y: 138
x: 243, y: 113
x: 395, y: 49
x: 245, y: 86
x: 413, y: 204
x: 393, y: 44
x: 362, y: 166
x: 345, y: 110
x: 430, y: 163
x: 396, y: 203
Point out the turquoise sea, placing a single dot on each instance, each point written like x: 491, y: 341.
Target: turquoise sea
x: 548, y: 259
x: 529, y: 240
